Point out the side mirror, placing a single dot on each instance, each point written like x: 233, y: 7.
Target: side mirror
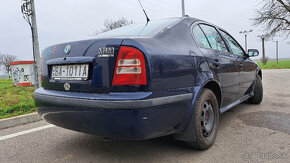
x: 253, y: 52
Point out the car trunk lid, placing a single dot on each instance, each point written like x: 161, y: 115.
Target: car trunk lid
x: 99, y: 55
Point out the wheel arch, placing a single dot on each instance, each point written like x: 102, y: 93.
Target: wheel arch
x: 188, y: 134
x: 215, y: 87
x: 260, y: 74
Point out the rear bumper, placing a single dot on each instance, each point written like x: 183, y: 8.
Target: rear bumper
x: 115, y: 115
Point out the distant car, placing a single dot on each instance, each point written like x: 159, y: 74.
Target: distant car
x: 171, y: 76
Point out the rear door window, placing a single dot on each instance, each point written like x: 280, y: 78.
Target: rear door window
x: 233, y: 44
x: 200, y: 38
x: 214, y: 38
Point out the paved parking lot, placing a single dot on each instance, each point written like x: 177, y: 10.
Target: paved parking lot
x: 248, y: 133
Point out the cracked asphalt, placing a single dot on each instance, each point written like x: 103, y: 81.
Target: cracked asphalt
x: 247, y: 133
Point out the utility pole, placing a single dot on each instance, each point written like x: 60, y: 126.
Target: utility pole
x: 183, y: 8
x: 263, y: 48
x: 246, y: 34
x: 28, y: 10
x: 277, y: 42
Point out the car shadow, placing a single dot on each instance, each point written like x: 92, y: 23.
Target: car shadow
x: 94, y: 147
x: 152, y: 150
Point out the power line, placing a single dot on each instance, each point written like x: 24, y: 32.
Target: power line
x: 169, y: 2
x: 134, y: 4
x: 160, y: 7
x: 213, y: 19
x: 171, y: 5
x: 152, y: 5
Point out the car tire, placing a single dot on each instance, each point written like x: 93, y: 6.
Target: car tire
x: 206, y: 121
x: 258, y: 92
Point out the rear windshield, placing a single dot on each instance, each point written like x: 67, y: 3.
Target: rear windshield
x: 152, y: 28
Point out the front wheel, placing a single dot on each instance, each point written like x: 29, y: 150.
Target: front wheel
x: 258, y: 92
x: 206, y: 120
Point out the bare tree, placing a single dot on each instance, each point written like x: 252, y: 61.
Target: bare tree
x: 5, y: 60
x: 113, y: 24
x: 274, y: 17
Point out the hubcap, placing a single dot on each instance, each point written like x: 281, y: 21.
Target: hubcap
x: 207, y: 119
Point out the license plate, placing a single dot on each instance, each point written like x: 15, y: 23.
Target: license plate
x: 70, y: 72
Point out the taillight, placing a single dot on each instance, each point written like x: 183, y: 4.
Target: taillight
x: 130, y: 67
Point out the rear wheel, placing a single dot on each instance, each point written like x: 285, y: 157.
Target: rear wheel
x: 258, y: 92
x: 206, y: 120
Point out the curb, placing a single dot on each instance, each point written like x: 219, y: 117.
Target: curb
x: 19, y: 120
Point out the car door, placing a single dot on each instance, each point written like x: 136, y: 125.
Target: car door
x: 246, y: 65
x: 220, y: 60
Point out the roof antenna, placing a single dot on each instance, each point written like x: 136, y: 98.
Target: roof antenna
x: 144, y: 12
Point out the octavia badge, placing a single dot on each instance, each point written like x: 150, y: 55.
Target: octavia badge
x: 66, y: 86
x: 106, y: 52
x: 67, y: 49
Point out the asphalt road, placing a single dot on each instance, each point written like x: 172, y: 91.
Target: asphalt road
x: 247, y: 133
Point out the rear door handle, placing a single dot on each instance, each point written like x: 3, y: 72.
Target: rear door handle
x: 216, y: 63
x: 241, y: 65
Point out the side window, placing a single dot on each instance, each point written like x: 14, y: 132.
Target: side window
x: 233, y: 44
x: 200, y: 37
x: 214, y: 38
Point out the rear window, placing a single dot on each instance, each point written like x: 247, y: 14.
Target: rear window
x: 152, y: 28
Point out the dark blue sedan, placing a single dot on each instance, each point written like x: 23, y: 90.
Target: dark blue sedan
x: 172, y: 76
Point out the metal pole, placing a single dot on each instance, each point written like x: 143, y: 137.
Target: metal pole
x: 277, y: 51
x: 183, y: 8
x: 263, y: 50
x: 35, y: 45
x: 246, y: 35
x: 246, y: 48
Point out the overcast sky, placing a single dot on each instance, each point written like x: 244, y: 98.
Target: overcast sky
x: 69, y: 20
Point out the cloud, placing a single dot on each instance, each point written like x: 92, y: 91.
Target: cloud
x: 66, y: 20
